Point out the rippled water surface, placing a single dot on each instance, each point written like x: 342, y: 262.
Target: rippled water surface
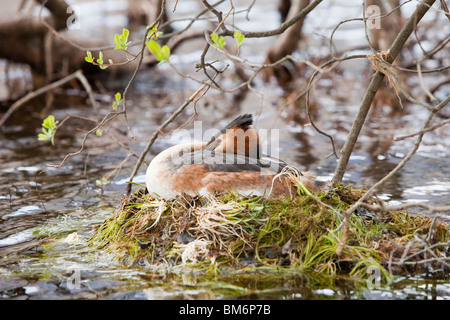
x: 47, y: 214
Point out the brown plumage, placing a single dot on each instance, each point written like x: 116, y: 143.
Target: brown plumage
x: 230, y: 161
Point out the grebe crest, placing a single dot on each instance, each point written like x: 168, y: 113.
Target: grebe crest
x: 238, y: 137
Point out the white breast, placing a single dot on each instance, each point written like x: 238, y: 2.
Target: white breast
x: 161, y: 173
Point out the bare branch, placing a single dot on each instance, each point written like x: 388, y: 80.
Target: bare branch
x: 384, y: 208
x: 432, y: 128
x: 109, y: 117
x: 375, y: 83
x: 159, y: 130
x: 76, y: 75
x: 285, y: 25
x: 402, y: 163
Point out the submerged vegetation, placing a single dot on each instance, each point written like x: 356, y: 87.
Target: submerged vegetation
x: 226, y: 233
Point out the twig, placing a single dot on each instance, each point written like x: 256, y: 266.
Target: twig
x: 363, y: 20
x: 141, y: 53
x: 203, y: 64
x: 419, y: 68
x: 76, y: 75
x: 436, y: 245
x: 88, y: 88
x: 402, y: 163
x: 159, y: 130
x: 432, y: 128
x: 192, y: 20
x: 384, y: 208
x: 375, y: 83
x: 415, y: 263
x: 110, y: 116
x: 221, y: 23
x: 285, y: 25
x: 404, y: 160
x: 117, y: 169
x: 333, y: 63
x: 445, y: 9
x: 195, y: 106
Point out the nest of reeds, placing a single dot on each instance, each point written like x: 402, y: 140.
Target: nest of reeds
x: 227, y: 232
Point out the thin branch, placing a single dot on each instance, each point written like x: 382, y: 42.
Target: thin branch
x: 419, y: 68
x: 260, y: 66
x: 333, y: 62
x: 109, y: 117
x: 415, y: 263
x: 445, y: 9
x: 436, y: 245
x: 159, y: 130
x: 432, y: 128
x: 402, y: 163
x: 404, y: 160
x: 222, y: 22
x: 141, y: 53
x: 218, y: 14
x: 285, y: 25
x: 384, y: 208
x: 375, y: 83
x: 363, y: 20
x: 76, y: 75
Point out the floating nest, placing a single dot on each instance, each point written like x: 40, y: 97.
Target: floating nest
x: 226, y: 233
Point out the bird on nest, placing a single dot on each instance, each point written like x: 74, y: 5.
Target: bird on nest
x: 230, y: 161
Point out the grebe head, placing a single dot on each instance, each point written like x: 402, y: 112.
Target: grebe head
x: 238, y: 137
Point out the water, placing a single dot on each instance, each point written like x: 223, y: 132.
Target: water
x: 47, y: 214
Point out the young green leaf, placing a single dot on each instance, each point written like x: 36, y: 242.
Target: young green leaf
x: 100, y: 58
x: 121, y: 41
x: 165, y: 53
x: 239, y: 37
x: 219, y: 41
x: 125, y: 34
x: 214, y: 37
x: 117, y: 41
x: 161, y: 53
x: 119, y: 99
x: 50, y: 124
x: 43, y: 136
x: 154, y: 47
x: 153, y: 33
x: 88, y: 57
x: 101, y: 183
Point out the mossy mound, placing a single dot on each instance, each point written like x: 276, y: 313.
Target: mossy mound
x: 227, y: 232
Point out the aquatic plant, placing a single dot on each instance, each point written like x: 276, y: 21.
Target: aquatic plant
x: 228, y: 233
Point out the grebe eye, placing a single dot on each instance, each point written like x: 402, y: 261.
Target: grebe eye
x: 219, y: 141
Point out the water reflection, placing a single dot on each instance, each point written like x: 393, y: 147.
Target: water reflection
x: 15, y: 80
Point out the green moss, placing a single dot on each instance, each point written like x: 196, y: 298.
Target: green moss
x: 228, y: 233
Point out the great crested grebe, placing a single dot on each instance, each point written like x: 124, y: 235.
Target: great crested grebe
x: 230, y: 161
